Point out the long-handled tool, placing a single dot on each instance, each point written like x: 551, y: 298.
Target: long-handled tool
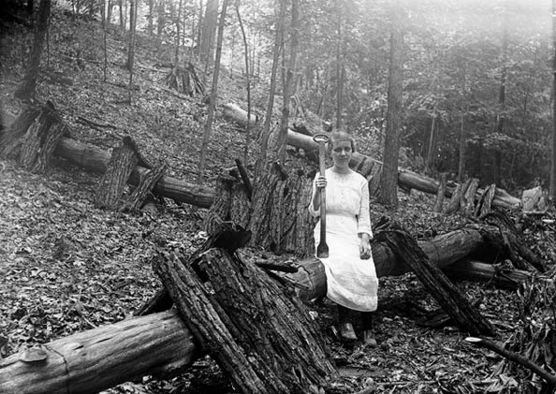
x: 322, y: 248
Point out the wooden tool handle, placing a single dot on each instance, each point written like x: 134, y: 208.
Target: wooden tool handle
x: 322, y: 248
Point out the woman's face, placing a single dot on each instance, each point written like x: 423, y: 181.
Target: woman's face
x: 341, y: 154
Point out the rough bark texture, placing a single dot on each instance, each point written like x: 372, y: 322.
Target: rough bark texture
x: 485, y: 204
x: 441, y: 192
x: 147, y: 182
x: 111, y: 185
x: 33, y: 136
x: 468, y: 200
x: 94, y: 360
x: 267, y: 343
x: 10, y: 140
x: 26, y: 90
x: 219, y: 211
x: 280, y: 220
x: 440, y: 287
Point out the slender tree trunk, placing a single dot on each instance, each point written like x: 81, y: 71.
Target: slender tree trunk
x: 212, y: 104
x: 131, y: 51
x: 207, y: 34
x: 26, y: 90
x: 109, y: 12
x: 161, y: 17
x: 261, y: 163
x: 462, y: 142
x: 104, y: 38
x: 339, y: 70
x: 553, y: 156
x: 178, y: 35
x: 388, y: 178
x: 200, y: 28
x: 501, y: 118
x: 248, y: 76
x: 289, y: 81
x: 122, y: 18
x: 430, y: 150
x: 150, y: 17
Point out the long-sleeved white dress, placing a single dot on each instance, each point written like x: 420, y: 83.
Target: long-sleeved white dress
x: 351, y: 281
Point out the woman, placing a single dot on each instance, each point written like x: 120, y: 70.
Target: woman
x: 350, y: 271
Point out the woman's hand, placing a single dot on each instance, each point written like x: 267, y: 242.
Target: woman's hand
x: 365, y: 247
x: 320, y: 182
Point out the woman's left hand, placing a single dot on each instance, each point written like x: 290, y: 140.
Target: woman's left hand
x: 365, y: 247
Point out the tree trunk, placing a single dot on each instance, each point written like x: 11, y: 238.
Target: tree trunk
x: 133, y: 4
x: 208, y: 31
x: 248, y: 86
x: 441, y: 193
x: 212, y: 105
x: 288, y: 87
x: 111, y: 185
x: 161, y: 17
x: 105, y: 21
x: 388, y: 181
x: 150, y: 18
x: 339, y: 68
x: 26, y: 90
x: 122, y: 15
x: 261, y: 161
x: 553, y: 153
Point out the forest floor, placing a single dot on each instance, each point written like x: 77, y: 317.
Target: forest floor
x: 68, y: 266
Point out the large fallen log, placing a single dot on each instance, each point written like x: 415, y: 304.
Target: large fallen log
x: 93, y: 360
x: 406, y: 179
x: 116, y: 353
x: 94, y: 159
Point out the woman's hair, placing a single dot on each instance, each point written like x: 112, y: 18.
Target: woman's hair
x: 337, y: 136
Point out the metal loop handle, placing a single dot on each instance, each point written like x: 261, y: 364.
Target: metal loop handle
x: 320, y: 138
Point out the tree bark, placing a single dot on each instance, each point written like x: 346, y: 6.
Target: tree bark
x: 212, y: 104
x: 26, y: 90
x: 553, y: 153
x: 441, y: 193
x: 267, y: 343
x: 388, y: 180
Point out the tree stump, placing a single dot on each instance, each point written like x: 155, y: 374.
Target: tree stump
x: 219, y: 211
x: 260, y: 335
x: 441, y: 192
x: 147, y: 182
x: 10, y: 140
x: 468, y: 200
x: 111, y: 185
x: 485, y: 204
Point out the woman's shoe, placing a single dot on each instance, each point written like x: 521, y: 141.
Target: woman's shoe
x: 369, y: 339
x: 347, y: 332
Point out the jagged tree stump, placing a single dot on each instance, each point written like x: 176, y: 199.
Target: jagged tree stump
x: 261, y: 335
x: 147, y: 182
x: 111, y: 185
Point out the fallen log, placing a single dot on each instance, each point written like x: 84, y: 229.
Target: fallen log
x: 93, y: 360
x: 107, y: 356
x: 406, y: 179
x: 94, y: 159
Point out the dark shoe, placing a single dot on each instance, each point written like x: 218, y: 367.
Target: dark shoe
x: 347, y: 332
x: 369, y: 339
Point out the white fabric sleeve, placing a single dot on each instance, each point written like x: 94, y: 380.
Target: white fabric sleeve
x: 312, y: 212
x: 364, y: 217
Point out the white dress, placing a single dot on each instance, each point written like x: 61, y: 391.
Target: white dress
x: 351, y: 281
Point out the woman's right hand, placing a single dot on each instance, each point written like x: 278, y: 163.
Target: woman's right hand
x: 320, y: 182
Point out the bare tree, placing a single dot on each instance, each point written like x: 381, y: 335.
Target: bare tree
x: 105, y: 3
x: 131, y: 51
x: 339, y: 67
x: 389, y: 176
x: 212, y: 105
x: 289, y: 80
x: 206, y: 44
x: 248, y: 76
x: 553, y: 155
x: 261, y: 162
x: 26, y: 90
